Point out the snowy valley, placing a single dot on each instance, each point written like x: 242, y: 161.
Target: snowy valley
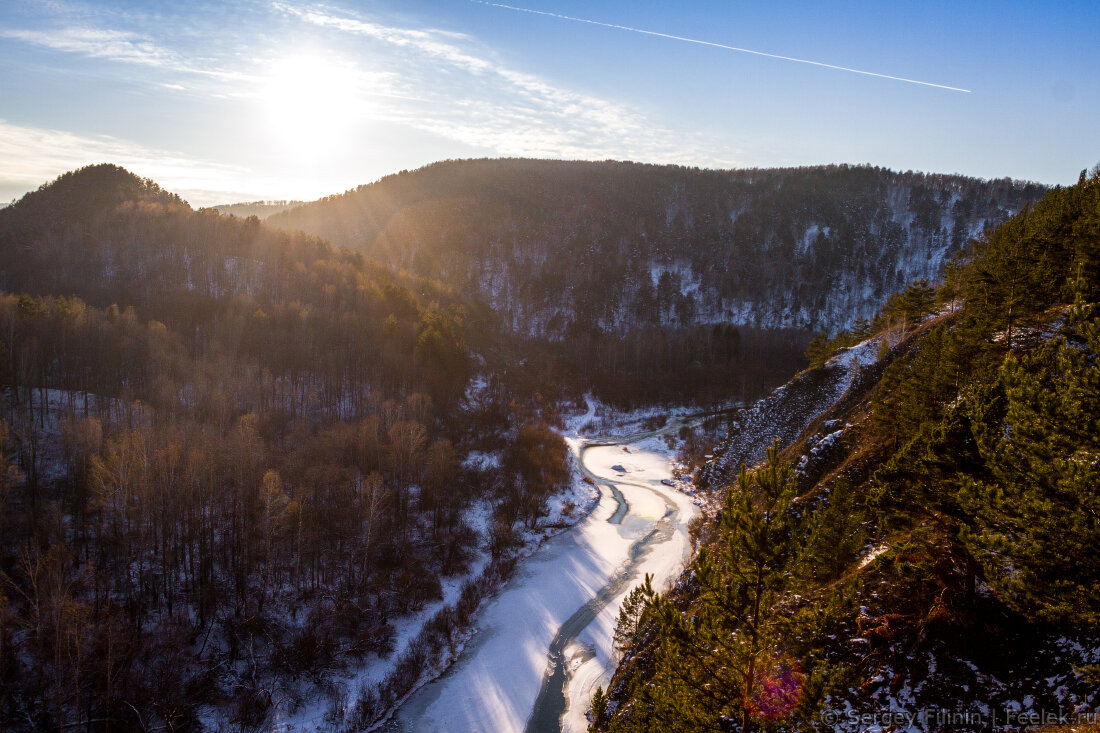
x: 506, y: 461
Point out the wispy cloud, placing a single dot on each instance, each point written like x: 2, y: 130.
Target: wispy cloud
x: 482, y: 102
x: 124, y: 47
x: 31, y: 156
x: 97, y: 43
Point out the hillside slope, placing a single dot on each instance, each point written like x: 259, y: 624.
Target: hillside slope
x: 232, y: 468
x: 918, y: 547
x: 561, y: 247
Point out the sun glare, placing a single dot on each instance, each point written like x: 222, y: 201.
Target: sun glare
x: 311, y: 104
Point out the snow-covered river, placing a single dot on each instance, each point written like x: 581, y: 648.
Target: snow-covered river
x: 545, y: 643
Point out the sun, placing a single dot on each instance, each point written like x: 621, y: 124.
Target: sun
x: 311, y: 103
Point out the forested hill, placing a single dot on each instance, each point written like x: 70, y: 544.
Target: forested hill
x: 259, y: 209
x: 109, y: 238
x: 104, y: 234
x: 922, y: 536
x: 230, y: 457
x: 562, y: 247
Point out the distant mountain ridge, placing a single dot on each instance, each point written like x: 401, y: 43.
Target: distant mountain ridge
x: 560, y: 246
x: 111, y: 238
x: 259, y: 209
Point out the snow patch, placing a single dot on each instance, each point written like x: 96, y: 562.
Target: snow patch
x: 873, y: 555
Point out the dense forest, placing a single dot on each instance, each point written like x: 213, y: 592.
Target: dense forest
x: 560, y: 247
x: 649, y: 283
x: 928, y: 541
x: 230, y: 457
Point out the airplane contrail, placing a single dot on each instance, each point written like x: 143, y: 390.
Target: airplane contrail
x: 720, y: 45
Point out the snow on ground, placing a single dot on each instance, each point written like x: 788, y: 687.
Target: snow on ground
x: 498, y: 674
x: 647, y: 463
x: 494, y: 684
x: 865, y: 353
x: 577, y: 500
x: 408, y: 627
x: 577, y: 424
x: 788, y: 410
x: 600, y: 420
x: 566, y: 508
x: 45, y: 412
x: 312, y: 715
x: 481, y: 461
x: 873, y: 555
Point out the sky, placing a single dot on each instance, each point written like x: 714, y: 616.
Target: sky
x: 284, y: 99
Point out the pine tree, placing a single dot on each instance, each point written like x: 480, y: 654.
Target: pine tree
x: 818, y: 351
x: 599, y: 710
x: 727, y: 664
x: 1035, y: 530
x: 860, y: 330
x: 631, y: 613
x: 918, y: 300
x: 835, y: 535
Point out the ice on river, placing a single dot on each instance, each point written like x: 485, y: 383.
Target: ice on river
x: 494, y: 684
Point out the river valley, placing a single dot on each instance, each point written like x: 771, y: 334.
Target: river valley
x: 545, y: 642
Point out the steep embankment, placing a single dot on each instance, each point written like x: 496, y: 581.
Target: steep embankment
x: 893, y: 624
x: 785, y: 413
x: 921, y: 553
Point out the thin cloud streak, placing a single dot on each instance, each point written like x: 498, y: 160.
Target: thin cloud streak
x: 96, y: 43
x: 722, y: 46
x: 120, y: 47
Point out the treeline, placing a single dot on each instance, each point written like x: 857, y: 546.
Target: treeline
x: 903, y: 311
x: 969, y: 461
x: 701, y: 365
x: 230, y: 457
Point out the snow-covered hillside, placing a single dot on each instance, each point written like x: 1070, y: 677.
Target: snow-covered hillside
x: 787, y: 412
x: 560, y: 248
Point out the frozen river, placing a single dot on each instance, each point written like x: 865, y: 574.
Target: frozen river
x: 544, y: 643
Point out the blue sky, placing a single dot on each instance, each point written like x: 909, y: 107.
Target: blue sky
x: 289, y: 99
